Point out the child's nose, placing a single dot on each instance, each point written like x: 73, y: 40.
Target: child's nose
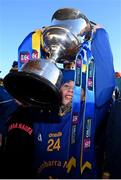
x: 70, y: 89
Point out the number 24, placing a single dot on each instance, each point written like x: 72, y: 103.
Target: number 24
x: 53, y: 145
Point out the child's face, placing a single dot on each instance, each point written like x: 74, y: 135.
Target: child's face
x: 67, y: 92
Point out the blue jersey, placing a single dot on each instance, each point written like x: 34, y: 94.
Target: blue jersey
x: 52, y: 147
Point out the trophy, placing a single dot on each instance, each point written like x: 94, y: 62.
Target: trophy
x: 75, y: 21
x: 38, y: 82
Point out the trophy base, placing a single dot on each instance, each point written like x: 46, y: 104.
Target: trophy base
x: 33, y: 90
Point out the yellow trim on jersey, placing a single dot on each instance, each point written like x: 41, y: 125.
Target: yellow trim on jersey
x: 37, y: 41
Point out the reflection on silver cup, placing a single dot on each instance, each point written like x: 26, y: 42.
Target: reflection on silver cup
x: 60, y: 43
x: 75, y: 21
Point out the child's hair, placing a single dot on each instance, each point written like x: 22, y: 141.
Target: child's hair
x: 68, y: 75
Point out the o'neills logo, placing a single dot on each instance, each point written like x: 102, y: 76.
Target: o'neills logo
x: 20, y: 126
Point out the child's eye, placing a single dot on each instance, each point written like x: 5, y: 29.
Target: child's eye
x: 66, y: 86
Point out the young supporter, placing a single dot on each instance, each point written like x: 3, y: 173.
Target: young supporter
x: 29, y: 132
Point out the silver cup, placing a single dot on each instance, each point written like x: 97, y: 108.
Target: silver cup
x: 38, y: 81
x: 75, y: 21
x: 61, y: 43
